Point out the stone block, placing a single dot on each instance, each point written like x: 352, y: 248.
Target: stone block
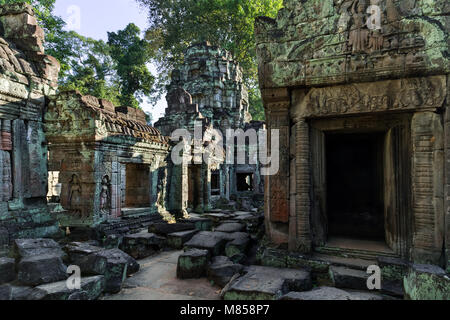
x: 166, y: 228
x: 222, y: 270
x: 114, y: 264
x: 24, y: 248
x: 349, y: 278
x: 41, y: 269
x: 330, y: 294
x: 193, y: 264
x: 426, y: 282
x: 230, y: 227
x: 7, y: 270
x: 265, y: 283
x: 91, y: 289
x: 210, y: 241
x: 5, y: 293
x: 237, y: 246
x: 178, y: 239
x: 142, y: 245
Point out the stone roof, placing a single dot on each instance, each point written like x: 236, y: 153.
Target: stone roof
x: 112, y: 121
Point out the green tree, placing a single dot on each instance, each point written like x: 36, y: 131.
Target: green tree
x: 177, y: 24
x: 131, y: 55
x: 90, y: 68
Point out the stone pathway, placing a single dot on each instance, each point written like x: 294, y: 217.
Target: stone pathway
x: 157, y: 280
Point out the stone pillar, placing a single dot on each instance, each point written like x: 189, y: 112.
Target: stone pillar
x: 303, y: 186
x: 427, y: 187
x: 206, y: 188
x: 447, y: 180
x: 277, y: 103
x: 116, y: 203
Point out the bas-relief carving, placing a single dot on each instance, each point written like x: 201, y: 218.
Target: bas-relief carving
x: 381, y: 96
x: 105, y: 196
x: 74, y: 201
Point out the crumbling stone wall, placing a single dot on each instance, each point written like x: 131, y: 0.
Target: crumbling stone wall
x: 320, y: 61
x: 27, y: 77
x: 92, y: 147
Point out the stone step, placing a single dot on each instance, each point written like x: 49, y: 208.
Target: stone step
x: 330, y: 294
x: 163, y: 229
x: 354, y: 253
x: 265, y: 283
x: 177, y: 240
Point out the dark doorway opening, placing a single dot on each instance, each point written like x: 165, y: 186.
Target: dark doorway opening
x: 355, y: 178
x: 244, y: 182
x: 215, y: 183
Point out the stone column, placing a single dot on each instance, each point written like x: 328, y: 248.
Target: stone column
x: 303, y: 186
x: 277, y: 103
x: 427, y: 187
x: 206, y: 188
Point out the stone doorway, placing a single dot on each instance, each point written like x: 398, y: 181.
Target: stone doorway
x: 361, y: 183
x: 137, y: 190
x: 355, y: 174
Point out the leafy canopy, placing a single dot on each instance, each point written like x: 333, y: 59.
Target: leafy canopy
x: 177, y: 24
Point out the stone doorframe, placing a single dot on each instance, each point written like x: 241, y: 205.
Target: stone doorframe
x: 289, y: 197
x: 396, y: 174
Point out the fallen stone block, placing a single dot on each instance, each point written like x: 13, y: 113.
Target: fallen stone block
x: 330, y: 294
x: 165, y: 228
x: 426, y: 282
x: 91, y: 289
x: 5, y: 293
x: 193, y: 264
x: 41, y: 269
x: 211, y: 241
x: 201, y: 224
x: 346, y: 278
x: 265, y: 283
x: 142, y: 245
x: 178, y: 239
x: 112, y: 263
x: 230, y: 227
x: 323, y: 293
x: 237, y: 246
x: 21, y: 293
x: 7, y: 270
x: 78, y: 250
x: 24, y: 248
x: 222, y: 270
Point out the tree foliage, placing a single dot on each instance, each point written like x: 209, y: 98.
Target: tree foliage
x: 131, y: 54
x: 177, y: 24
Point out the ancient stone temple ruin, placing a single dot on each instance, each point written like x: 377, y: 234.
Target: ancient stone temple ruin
x: 359, y: 91
x: 208, y: 88
x: 106, y: 162
x: 27, y: 77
